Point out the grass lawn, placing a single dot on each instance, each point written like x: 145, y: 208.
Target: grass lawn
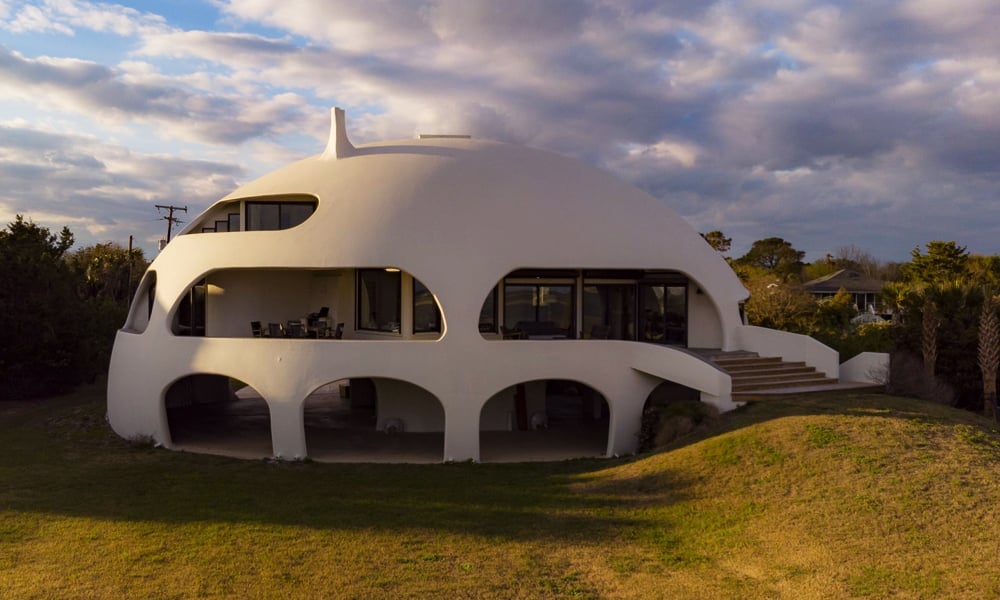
x: 816, y: 497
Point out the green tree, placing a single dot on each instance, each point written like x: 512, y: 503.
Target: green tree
x: 944, y: 261
x: 833, y: 315
x: 989, y: 353
x: 776, y: 255
x: 104, y: 275
x: 984, y: 270
x: 718, y: 241
x: 39, y: 323
x: 775, y: 303
x: 940, y: 322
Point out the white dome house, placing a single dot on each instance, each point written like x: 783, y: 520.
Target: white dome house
x: 435, y: 299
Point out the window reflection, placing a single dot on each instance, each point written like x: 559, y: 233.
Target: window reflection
x: 609, y: 311
x: 539, y: 309
x: 378, y: 300
x: 273, y: 215
x: 663, y: 313
x: 426, y: 316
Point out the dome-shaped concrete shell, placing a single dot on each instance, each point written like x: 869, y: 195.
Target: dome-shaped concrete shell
x: 466, y: 212
x: 459, y: 215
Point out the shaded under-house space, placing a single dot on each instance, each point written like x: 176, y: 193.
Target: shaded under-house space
x: 543, y: 420
x: 671, y: 411
x: 373, y: 420
x: 214, y: 414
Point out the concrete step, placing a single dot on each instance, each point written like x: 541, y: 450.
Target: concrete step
x: 752, y: 373
x: 763, y: 377
x: 748, y: 361
x: 777, y: 369
x: 773, y: 385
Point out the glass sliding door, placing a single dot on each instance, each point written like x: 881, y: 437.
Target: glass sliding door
x: 663, y: 313
x: 379, y: 300
x: 538, y: 310
x: 675, y: 314
x: 609, y: 311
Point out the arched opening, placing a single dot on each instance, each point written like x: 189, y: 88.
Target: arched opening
x: 671, y: 411
x: 142, y: 304
x: 549, y: 419
x: 373, y: 420
x: 215, y: 414
x: 324, y: 305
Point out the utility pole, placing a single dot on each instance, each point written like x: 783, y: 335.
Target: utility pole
x: 170, y: 219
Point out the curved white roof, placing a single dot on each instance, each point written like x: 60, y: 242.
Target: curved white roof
x: 443, y: 206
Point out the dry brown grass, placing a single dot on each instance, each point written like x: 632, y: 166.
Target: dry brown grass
x: 818, y: 497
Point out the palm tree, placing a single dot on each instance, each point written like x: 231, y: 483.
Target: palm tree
x: 928, y: 338
x: 989, y: 353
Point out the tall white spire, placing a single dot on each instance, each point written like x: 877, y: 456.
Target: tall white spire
x: 338, y: 146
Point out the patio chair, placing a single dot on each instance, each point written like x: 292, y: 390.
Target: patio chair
x: 314, y: 318
x: 295, y: 329
x: 256, y: 329
x: 276, y: 330
x: 339, y: 332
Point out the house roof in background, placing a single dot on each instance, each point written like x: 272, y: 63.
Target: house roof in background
x: 851, y: 281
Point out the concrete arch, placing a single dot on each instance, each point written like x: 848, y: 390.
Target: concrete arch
x: 216, y: 414
x: 373, y: 419
x: 544, y: 419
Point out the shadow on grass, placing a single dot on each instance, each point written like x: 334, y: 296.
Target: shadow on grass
x: 64, y: 460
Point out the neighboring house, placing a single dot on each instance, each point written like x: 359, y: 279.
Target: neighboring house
x: 466, y: 274
x: 863, y: 289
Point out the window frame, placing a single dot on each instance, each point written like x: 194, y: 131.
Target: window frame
x: 250, y: 203
x: 360, y: 324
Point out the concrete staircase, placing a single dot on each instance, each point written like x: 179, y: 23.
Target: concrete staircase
x: 754, y: 375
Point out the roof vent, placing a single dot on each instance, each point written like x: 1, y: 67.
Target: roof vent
x: 443, y: 136
x: 338, y: 146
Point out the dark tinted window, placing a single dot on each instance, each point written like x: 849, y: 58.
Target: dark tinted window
x: 273, y: 215
x: 426, y: 316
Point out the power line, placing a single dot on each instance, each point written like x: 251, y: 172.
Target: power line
x: 169, y: 217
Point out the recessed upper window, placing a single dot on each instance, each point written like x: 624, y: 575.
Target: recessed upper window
x: 426, y: 316
x: 379, y: 299
x: 283, y: 213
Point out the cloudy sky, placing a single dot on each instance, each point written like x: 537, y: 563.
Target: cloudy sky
x: 874, y: 124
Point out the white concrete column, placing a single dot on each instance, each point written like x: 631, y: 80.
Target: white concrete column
x: 288, y: 434
x: 626, y: 401
x: 461, y: 428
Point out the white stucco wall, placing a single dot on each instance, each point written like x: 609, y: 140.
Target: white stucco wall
x: 458, y: 214
x: 704, y: 324
x: 790, y: 347
x: 417, y: 408
x: 867, y: 367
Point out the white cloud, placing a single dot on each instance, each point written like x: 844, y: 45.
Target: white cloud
x: 749, y: 117
x: 102, y: 191
x: 31, y: 19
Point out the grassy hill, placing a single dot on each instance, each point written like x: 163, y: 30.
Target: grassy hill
x: 814, y: 497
